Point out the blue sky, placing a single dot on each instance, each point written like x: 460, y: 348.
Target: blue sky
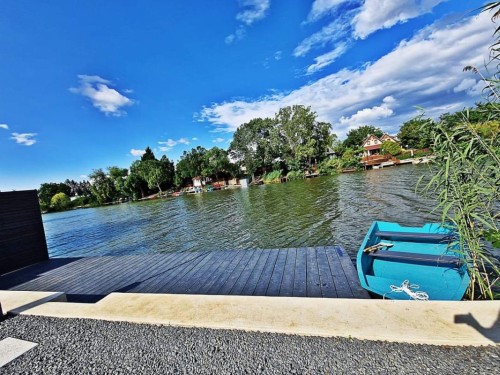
x: 90, y: 84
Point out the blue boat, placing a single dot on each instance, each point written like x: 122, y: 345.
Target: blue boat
x: 420, y: 263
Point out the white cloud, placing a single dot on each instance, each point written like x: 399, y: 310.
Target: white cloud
x: 322, y: 7
x: 238, y: 35
x: 326, y: 59
x: 103, y: 97
x: 278, y: 55
x: 169, y: 143
x: 422, y: 71
x: 137, y: 153
x: 466, y: 84
x: 218, y: 140
x: 383, y: 14
x: 4, y: 126
x: 194, y: 139
x: 254, y: 10
x: 25, y: 139
x: 369, y: 115
x: 84, y: 177
x: 331, y: 33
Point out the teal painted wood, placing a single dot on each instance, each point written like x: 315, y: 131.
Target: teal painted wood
x: 305, y: 272
x: 440, y: 279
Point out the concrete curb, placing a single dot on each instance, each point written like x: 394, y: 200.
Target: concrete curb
x: 430, y: 322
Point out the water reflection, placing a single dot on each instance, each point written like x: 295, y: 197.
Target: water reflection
x: 320, y: 211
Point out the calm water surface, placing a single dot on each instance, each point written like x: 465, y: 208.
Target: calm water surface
x: 319, y: 211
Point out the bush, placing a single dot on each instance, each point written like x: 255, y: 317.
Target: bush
x: 272, y: 177
x: 60, y: 202
x: 391, y: 148
x: 330, y: 166
x: 295, y: 175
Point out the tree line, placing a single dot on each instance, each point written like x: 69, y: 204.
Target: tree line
x: 289, y: 144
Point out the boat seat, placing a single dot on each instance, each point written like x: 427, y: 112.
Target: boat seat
x: 419, y: 236
x: 437, y: 260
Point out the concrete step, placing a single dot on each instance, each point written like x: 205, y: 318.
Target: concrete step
x: 430, y: 322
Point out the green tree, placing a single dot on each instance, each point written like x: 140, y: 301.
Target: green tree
x: 303, y: 139
x: 134, y: 185
x: 48, y: 190
x: 216, y: 163
x: 60, y: 202
x: 355, y: 137
x: 390, y: 148
x: 119, y: 176
x: 191, y: 165
x: 148, y: 155
x: 102, y: 186
x: 416, y: 133
x: 254, y: 145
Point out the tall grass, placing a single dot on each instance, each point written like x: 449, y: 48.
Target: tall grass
x: 466, y: 183
x: 272, y: 177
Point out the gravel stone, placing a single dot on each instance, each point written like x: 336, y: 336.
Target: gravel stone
x: 83, y: 346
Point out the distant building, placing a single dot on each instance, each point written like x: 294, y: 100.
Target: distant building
x: 373, y: 144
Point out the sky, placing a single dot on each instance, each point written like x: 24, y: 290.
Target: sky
x: 90, y: 84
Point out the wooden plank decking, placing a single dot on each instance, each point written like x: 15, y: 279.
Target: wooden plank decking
x: 304, y: 272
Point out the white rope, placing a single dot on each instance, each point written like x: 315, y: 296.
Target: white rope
x: 406, y: 287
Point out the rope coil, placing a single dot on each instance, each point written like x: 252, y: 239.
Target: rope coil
x: 406, y: 287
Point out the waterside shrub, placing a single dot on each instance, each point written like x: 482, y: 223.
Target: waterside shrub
x: 295, y: 175
x: 272, y: 177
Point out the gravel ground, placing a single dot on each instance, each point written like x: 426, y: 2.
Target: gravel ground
x: 79, y: 346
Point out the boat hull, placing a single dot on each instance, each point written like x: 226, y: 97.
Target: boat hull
x: 426, y: 256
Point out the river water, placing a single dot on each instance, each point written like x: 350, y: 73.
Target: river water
x: 334, y: 210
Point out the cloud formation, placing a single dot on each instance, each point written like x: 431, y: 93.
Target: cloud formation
x: 383, y: 14
x: 106, y: 99
x: 137, y: 153
x: 218, y: 140
x: 170, y: 143
x: 425, y: 71
x: 335, y: 31
x: 25, y: 139
x: 4, y: 126
x: 326, y: 59
x: 322, y: 7
x: 252, y: 11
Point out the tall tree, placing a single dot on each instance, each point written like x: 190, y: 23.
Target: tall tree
x: 102, y: 186
x: 303, y: 139
x: 191, y: 165
x: 254, y: 145
x: 148, y: 155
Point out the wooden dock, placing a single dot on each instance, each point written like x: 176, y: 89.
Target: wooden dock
x: 325, y: 272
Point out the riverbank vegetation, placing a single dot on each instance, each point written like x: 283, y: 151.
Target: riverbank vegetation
x: 466, y: 178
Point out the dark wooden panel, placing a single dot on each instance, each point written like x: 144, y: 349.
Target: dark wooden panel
x: 325, y: 274
x: 350, y: 274
x: 267, y: 272
x: 22, y: 237
x: 222, y: 277
x: 300, y: 278
x: 235, y: 274
x: 245, y: 275
x: 252, y: 281
x: 222, y: 270
x: 277, y: 276
x: 341, y: 284
x: 286, y: 288
x: 313, y: 282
